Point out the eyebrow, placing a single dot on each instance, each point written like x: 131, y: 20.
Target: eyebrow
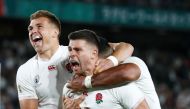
x: 30, y: 27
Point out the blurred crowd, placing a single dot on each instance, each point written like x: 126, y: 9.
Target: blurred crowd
x: 162, y: 4
x: 170, y: 72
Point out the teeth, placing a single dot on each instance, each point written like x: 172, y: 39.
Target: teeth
x: 35, y: 37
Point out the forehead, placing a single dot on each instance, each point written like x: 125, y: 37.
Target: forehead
x: 40, y: 20
x: 77, y: 43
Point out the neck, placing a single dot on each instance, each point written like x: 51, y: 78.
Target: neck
x: 46, y: 55
x: 92, y: 66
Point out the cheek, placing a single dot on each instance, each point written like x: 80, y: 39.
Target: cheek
x: 85, y: 59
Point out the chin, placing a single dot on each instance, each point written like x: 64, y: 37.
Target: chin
x: 38, y: 50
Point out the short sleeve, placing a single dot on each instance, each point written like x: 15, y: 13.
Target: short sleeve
x: 142, y: 66
x: 130, y: 96
x: 25, y: 87
x: 65, y: 91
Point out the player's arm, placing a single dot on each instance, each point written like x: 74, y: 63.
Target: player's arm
x: 143, y: 105
x: 28, y: 104
x: 122, y: 73
x: 26, y: 92
x: 121, y: 52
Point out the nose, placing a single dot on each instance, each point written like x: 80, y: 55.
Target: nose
x: 33, y: 30
x: 72, y: 54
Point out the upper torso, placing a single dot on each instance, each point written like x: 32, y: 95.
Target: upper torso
x: 121, y: 97
x: 44, y: 80
x: 145, y: 83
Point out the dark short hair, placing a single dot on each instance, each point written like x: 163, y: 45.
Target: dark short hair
x: 87, y: 35
x: 52, y: 17
x: 91, y: 37
x: 105, y: 49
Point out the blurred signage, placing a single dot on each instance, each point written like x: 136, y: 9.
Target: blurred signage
x: 144, y: 17
x: 1, y: 7
x: 101, y: 14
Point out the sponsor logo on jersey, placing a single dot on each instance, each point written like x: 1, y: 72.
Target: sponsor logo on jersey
x: 51, y: 67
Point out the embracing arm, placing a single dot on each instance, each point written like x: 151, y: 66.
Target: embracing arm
x: 115, y: 75
x: 122, y: 50
x: 28, y: 104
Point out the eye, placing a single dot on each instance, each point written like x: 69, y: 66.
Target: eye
x: 69, y: 48
x: 39, y: 26
x: 77, y: 49
x: 30, y: 28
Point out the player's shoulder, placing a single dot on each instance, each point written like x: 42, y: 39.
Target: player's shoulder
x: 27, y: 65
x: 64, y: 47
x: 30, y: 62
x: 135, y: 60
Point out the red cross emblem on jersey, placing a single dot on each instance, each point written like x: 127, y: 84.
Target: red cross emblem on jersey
x: 51, y: 67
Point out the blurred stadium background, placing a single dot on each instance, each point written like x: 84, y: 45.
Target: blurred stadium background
x: 158, y: 29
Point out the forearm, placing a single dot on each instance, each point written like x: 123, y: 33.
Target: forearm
x: 116, y: 75
x: 29, y: 104
x: 122, y: 51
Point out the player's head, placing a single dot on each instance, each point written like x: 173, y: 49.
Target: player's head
x: 52, y: 18
x: 44, y: 30
x: 104, y: 49
x: 83, y: 48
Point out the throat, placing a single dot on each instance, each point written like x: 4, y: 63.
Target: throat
x: 47, y: 55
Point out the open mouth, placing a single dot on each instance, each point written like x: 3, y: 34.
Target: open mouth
x: 74, y: 63
x: 36, y: 38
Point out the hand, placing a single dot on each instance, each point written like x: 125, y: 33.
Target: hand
x: 102, y: 65
x: 76, y: 83
x: 70, y: 103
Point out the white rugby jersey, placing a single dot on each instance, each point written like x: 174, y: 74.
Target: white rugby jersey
x: 123, y: 97
x: 44, y: 80
x: 145, y: 83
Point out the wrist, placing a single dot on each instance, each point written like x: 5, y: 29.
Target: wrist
x: 87, y: 81
x: 114, y: 60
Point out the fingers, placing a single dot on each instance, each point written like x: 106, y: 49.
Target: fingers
x: 81, y: 98
x: 70, y: 103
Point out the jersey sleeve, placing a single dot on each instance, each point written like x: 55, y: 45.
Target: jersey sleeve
x: 129, y: 96
x: 25, y: 87
x: 69, y: 93
x: 142, y: 66
x: 65, y: 91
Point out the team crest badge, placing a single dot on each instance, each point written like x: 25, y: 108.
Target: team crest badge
x: 36, y: 79
x: 99, y: 98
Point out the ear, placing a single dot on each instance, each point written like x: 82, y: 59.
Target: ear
x: 94, y: 53
x: 56, y: 32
